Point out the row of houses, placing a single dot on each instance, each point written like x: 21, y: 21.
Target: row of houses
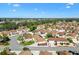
x: 13, y: 32
x: 60, y: 34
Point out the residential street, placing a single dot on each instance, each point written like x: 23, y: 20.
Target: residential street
x: 55, y: 48
x: 14, y: 44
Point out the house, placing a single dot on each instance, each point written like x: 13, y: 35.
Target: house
x: 72, y: 35
x: 5, y: 33
x: 40, y: 26
x: 13, y: 32
x: 45, y: 53
x: 25, y: 51
x: 54, y: 32
x: 57, y: 41
x: 42, y: 32
x: 61, y: 34
x: 28, y: 37
x: 21, y: 31
x: 64, y: 53
x: 42, y: 44
x: 39, y: 40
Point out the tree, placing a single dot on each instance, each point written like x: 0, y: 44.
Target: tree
x: 5, y: 38
x: 6, y: 51
x: 3, y: 52
x: 20, y: 38
x: 49, y: 35
x: 8, y: 26
x: 61, y: 43
x: 32, y: 28
x: 1, y: 38
x: 70, y: 40
x: 25, y: 49
x: 67, y: 43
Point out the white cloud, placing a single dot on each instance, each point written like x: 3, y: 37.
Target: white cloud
x: 16, y: 5
x: 71, y: 3
x: 13, y: 10
x: 35, y: 9
x: 68, y: 6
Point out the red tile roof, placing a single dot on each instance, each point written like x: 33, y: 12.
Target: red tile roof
x: 72, y: 34
x: 61, y: 33
x: 38, y: 38
x: 53, y: 32
x: 57, y: 39
x: 45, y: 53
x: 43, y: 31
x: 42, y: 44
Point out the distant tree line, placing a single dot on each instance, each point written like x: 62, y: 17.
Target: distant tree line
x: 14, y: 23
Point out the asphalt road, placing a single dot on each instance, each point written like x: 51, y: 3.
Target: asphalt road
x: 14, y: 46
x: 54, y: 48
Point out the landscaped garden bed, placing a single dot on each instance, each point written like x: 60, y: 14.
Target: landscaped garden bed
x: 25, y: 43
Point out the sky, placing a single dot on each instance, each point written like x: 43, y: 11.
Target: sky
x: 39, y: 10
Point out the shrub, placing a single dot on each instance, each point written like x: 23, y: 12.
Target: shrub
x: 70, y: 40
x: 61, y: 43
x: 48, y: 35
x: 27, y: 42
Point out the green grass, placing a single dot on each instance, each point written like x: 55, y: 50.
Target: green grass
x: 25, y: 43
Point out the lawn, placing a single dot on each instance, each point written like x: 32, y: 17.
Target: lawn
x: 25, y: 43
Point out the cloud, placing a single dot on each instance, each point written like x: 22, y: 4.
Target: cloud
x: 71, y: 4
x: 13, y: 10
x: 35, y: 9
x: 16, y: 5
x: 68, y: 6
